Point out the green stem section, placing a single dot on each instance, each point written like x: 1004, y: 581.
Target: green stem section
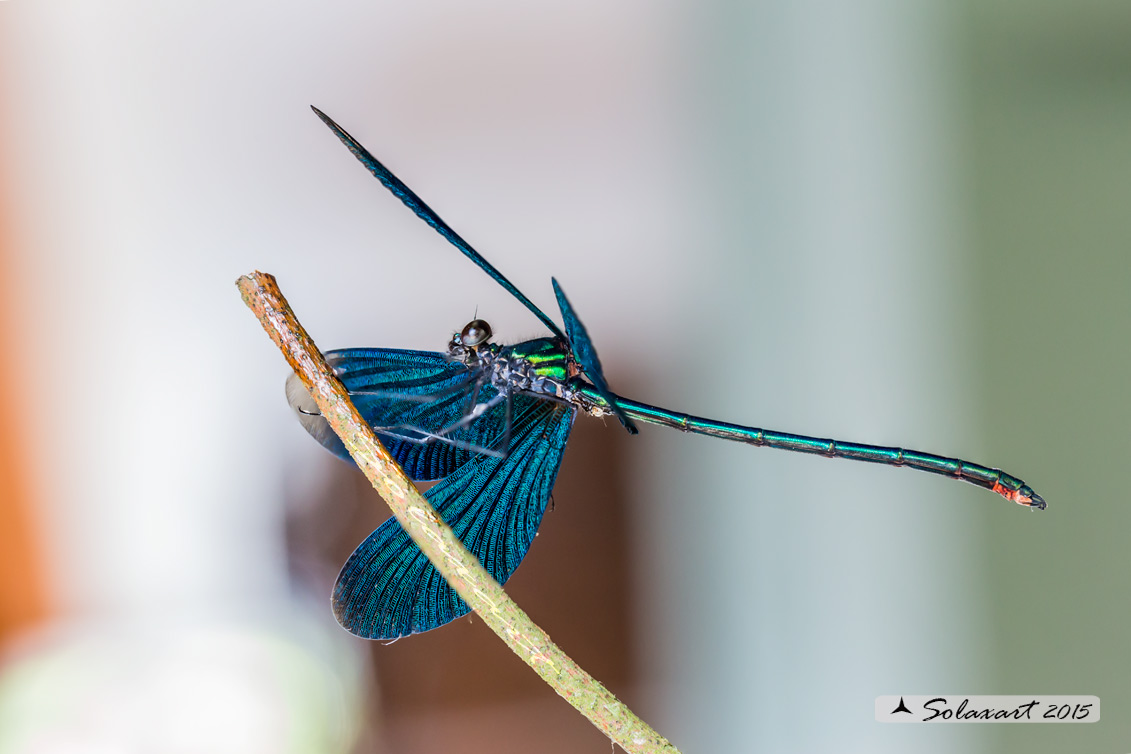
x: 435, y: 539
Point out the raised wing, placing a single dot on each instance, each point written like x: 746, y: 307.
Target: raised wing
x: 388, y: 589
x: 586, y: 356
x: 409, y: 398
x: 425, y: 213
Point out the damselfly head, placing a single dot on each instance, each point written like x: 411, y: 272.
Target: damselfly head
x: 475, y: 333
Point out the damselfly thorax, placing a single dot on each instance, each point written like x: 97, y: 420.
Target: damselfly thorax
x: 543, y: 366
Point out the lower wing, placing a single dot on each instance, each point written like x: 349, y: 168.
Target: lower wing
x: 388, y: 588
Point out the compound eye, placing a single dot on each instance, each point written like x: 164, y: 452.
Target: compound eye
x: 476, y: 333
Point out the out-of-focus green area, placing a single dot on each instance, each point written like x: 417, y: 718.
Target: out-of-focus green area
x: 1050, y: 134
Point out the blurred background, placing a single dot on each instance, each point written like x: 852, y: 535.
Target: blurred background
x: 890, y: 222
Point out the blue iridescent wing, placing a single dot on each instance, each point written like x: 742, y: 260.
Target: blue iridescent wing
x: 586, y: 356
x: 425, y: 213
x: 406, y: 396
x: 388, y: 589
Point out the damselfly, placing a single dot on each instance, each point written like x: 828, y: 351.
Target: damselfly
x: 489, y: 423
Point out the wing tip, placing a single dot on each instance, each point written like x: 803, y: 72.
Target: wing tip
x: 325, y: 118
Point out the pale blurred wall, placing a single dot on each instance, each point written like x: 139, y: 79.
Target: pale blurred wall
x: 760, y: 212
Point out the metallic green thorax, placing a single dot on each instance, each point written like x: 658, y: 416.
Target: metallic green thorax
x: 543, y: 366
x: 548, y: 357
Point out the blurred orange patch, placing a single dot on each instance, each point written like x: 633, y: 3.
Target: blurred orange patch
x: 23, y: 593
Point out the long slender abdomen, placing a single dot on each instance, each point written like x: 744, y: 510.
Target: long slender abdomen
x: 995, y: 480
